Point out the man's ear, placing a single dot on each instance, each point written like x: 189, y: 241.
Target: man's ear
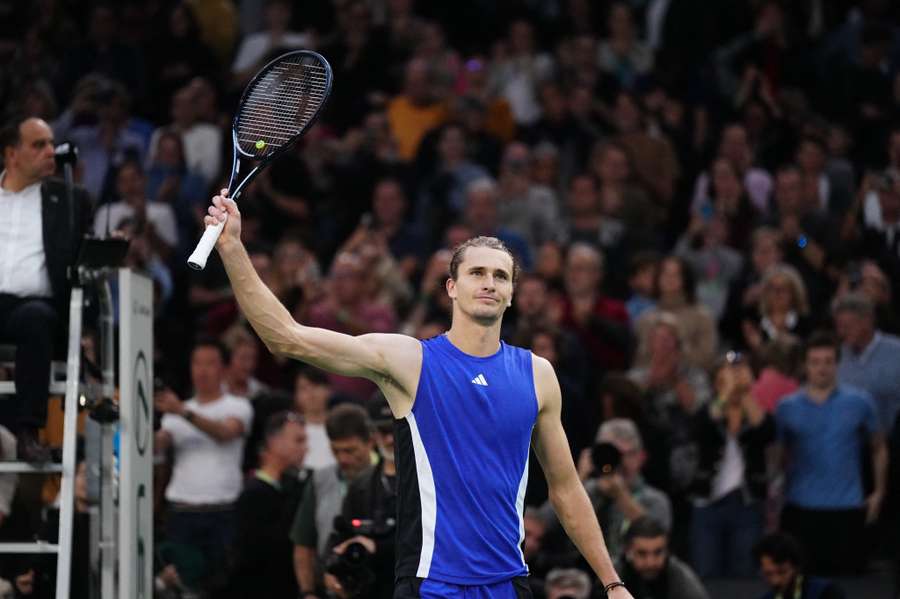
x: 450, y: 286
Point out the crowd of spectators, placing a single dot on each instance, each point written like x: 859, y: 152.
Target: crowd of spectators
x: 704, y: 198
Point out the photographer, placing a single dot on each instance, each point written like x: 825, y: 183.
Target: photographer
x: 361, y: 563
x: 611, y: 472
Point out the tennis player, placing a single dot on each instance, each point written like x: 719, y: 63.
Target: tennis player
x: 467, y: 408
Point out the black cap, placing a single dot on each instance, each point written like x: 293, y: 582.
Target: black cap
x: 378, y: 409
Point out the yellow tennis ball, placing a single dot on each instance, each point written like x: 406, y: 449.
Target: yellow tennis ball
x: 260, y: 144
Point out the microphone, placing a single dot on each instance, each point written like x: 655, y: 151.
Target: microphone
x: 66, y: 153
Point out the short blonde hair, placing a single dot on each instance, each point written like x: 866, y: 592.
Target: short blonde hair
x: 798, y: 288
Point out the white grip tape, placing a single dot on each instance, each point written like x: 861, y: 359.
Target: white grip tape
x: 197, y: 260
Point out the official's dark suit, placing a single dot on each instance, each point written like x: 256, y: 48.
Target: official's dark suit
x: 34, y: 324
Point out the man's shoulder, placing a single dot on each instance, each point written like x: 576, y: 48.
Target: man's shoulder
x: 236, y: 401
x: 651, y: 493
x: 54, y: 186
x: 852, y: 394
x: 889, y: 343
x: 682, y: 579
x: 792, y: 401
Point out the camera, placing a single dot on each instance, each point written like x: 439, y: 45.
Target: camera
x: 606, y: 458
x: 353, y: 567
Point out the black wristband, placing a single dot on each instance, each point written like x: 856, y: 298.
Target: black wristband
x: 613, y: 585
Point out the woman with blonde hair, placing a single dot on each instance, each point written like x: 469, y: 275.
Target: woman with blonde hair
x: 783, y: 308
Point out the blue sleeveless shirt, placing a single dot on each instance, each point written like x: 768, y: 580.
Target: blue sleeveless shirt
x: 462, y: 465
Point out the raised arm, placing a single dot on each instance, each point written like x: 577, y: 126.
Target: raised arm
x: 567, y: 495
x: 391, y: 361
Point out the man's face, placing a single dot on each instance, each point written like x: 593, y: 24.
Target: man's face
x: 583, y: 273
x: 309, y: 396
x: 811, y: 157
x: 481, y: 210
x: 734, y: 145
x: 788, y: 188
x: 583, y: 196
x: 33, y: 157
x: 243, y: 360
x: 483, y: 287
x: 207, y: 370
x: 778, y: 576
x: 766, y: 253
x: 663, y: 341
x: 534, y: 536
x: 347, y: 281
x: 633, y: 457
x: 613, y: 166
x: 130, y: 183
x: 543, y: 345
x: 531, y: 298
x: 388, y: 202
x: 853, y: 329
x: 353, y: 455
x: 821, y: 367
x: 889, y: 199
x: 290, y: 443
x: 648, y: 556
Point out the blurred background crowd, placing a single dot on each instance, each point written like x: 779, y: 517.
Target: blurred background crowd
x: 704, y: 198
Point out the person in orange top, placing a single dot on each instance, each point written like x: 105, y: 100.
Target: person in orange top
x: 416, y: 111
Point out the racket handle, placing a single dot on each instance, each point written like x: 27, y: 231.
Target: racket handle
x: 197, y: 260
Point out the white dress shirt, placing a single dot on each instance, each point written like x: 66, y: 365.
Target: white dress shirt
x: 23, y: 263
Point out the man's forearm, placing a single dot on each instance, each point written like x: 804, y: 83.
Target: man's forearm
x: 268, y: 316
x: 214, y: 428
x: 305, y: 568
x: 880, y: 467
x: 575, y: 513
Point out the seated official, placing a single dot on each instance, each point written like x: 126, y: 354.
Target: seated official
x: 650, y: 571
x: 781, y: 564
x: 40, y: 234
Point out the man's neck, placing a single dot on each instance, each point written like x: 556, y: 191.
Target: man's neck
x: 820, y: 394
x: 863, y: 343
x: 15, y: 182
x: 317, y: 417
x: 473, y: 338
x: 238, y: 385
x: 208, y: 396
x: 272, y: 469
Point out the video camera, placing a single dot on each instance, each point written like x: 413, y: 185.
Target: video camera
x: 353, y: 567
x: 606, y: 459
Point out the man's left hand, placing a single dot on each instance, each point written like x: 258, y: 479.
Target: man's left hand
x: 612, y: 485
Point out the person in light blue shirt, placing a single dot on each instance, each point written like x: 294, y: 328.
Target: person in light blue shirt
x: 869, y: 357
x: 823, y: 430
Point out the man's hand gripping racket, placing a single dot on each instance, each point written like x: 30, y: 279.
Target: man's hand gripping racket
x: 279, y: 104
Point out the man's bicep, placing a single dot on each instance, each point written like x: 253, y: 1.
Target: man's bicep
x: 371, y: 356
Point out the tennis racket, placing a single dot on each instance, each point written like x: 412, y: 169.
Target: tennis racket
x: 279, y: 104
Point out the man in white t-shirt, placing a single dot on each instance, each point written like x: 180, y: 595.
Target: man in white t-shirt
x: 207, y: 435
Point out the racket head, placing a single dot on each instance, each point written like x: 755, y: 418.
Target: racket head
x: 280, y: 103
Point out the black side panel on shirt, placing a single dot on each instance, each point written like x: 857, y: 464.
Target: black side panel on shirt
x: 409, y: 505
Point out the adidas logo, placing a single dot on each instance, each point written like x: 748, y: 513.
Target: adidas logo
x: 480, y: 380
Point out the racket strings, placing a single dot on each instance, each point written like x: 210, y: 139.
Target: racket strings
x: 281, y: 104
